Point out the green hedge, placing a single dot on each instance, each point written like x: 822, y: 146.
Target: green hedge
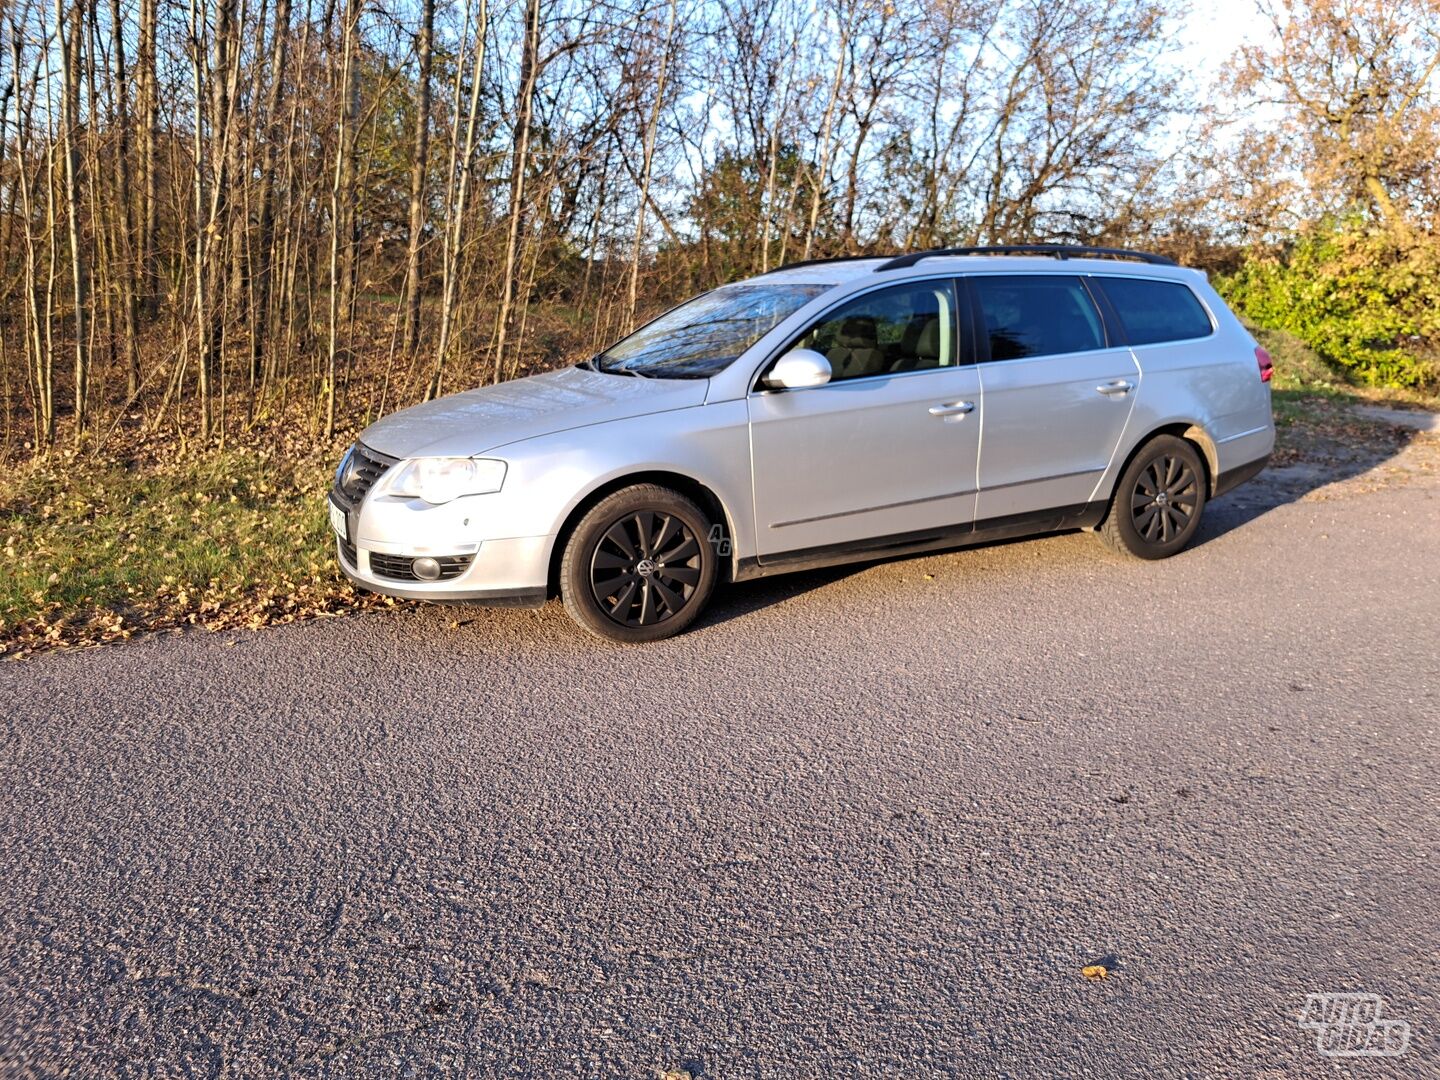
x: 1360, y: 300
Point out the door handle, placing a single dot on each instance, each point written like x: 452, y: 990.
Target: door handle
x: 1119, y: 386
x: 952, y: 408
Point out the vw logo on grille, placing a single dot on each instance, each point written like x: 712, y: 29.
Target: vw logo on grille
x: 349, y: 473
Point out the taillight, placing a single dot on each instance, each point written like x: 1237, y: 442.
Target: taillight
x: 1267, y: 368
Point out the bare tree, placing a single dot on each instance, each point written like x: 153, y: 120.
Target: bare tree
x: 420, y: 161
x: 519, y: 162
x: 209, y: 196
x: 79, y: 263
x: 462, y: 169
x: 647, y: 160
x: 260, y: 315
x: 342, y: 205
x: 820, y: 175
x: 1359, y: 86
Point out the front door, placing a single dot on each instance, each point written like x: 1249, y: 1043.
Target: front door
x: 1056, y: 394
x: 888, y: 448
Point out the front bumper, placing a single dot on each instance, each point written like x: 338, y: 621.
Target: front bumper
x: 378, y: 537
x: 502, y: 573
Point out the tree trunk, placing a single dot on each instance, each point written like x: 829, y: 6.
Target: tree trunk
x: 519, y: 161
x: 38, y: 356
x: 648, y: 155
x: 224, y: 82
x: 456, y: 209
x: 265, y: 242
x: 79, y: 266
x: 202, y: 226
x: 129, y: 288
x: 150, y: 177
x: 418, y: 166
x: 342, y: 210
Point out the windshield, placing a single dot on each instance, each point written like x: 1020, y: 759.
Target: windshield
x: 701, y: 337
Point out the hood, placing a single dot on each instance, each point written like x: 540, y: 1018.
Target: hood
x: 476, y: 421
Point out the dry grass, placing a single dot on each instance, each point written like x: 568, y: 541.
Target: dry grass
x: 97, y: 550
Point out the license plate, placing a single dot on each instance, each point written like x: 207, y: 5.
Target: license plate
x: 337, y: 520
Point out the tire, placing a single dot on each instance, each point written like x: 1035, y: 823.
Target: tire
x: 1158, y: 500
x: 639, y: 566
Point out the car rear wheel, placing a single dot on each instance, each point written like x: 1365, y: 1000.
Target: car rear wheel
x: 639, y: 566
x: 1158, y: 501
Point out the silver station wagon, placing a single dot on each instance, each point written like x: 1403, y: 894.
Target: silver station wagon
x: 826, y: 412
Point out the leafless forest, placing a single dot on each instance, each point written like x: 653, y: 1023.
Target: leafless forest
x: 221, y: 217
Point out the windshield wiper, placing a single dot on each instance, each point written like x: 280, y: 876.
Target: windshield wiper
x: 593, y: 364
x: 621, y: 371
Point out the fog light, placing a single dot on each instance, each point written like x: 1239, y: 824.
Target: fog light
x: 426, y: 568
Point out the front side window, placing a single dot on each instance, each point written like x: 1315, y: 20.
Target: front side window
x: 702, y: 337
x: 887, y: 332
x: 1155, y: 311
x: 1039, y: 315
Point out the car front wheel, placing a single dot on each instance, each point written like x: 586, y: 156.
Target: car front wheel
x: 639, y: 566
x: 1157, y: 503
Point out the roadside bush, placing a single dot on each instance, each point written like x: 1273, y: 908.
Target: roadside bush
x: 1362, y: 301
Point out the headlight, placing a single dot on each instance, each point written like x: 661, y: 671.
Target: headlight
x: 442, y: 480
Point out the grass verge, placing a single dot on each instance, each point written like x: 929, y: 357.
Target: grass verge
x: 97, y: 550
x: 1312, y: 403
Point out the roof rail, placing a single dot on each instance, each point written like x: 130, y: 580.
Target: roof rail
x: 818, y: 262
x: 1053, y: 251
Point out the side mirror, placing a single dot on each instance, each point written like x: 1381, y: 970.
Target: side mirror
x: 798, y: 369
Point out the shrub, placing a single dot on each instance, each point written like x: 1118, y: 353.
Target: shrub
x: 1361, y: 300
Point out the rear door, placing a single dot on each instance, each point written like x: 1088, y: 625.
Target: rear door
x: 1056, y: 393
x: 889, y: 446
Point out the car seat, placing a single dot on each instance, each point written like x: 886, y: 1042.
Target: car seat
x: 920, y: 345
x: 856, y: 350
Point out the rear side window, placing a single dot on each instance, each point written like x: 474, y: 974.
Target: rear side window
x: 1040, y: 315
x: 1155, y: 311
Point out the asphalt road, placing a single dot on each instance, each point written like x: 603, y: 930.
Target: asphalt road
x: 865, y: 823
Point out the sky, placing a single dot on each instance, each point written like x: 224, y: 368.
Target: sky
x: 1214, y: 30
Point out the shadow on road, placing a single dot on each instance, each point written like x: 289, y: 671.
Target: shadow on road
x: 1329, y: 444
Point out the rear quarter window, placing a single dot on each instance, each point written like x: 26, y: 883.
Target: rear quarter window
x: 1156, y: 311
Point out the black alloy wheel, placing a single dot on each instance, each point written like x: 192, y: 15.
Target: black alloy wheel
x: 640, y: 565
x: 1156, y: 507
x: 645, y: 568
x: 1165, y: 498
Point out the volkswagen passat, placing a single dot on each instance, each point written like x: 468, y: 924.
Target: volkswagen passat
x: 826, y: 412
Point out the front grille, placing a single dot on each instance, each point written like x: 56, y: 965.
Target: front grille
x: 347, y: 548
x: 401, y: 567
x: 364, y: 468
